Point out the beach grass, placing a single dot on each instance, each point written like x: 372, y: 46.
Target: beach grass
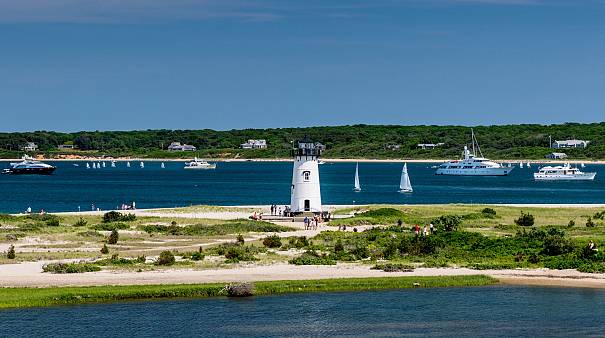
x: 40, y: 297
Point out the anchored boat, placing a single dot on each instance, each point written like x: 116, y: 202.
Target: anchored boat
x: 563, y: 172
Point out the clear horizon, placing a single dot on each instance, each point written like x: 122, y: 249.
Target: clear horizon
x: 208, y: 64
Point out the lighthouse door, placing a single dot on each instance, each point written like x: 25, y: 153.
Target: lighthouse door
x: 307, y: 205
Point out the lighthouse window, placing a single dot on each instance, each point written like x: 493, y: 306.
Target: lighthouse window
x: 306, y: 175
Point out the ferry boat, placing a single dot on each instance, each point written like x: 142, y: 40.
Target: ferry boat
x: 199, y: 164
x: 563, y: 172
x: 472, y: 165
x: 30, y: 166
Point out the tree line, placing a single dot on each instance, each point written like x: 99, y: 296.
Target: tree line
x: 349, y: 141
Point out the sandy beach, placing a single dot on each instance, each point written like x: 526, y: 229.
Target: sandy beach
x: 30, y: 274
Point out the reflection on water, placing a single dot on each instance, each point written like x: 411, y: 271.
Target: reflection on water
x: 502, y: 311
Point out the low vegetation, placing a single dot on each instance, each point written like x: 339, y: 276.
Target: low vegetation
x: 37, y: 297
x: 70, y: 267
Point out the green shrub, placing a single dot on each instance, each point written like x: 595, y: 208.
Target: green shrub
x: 488, y: 212
x: 599, y: 215
x: 197, y: 256
x: 533, y: 258
x: 447, y: 222
x: 41, y: 217
x: 81, y: 222
x: 571, y: 224
x: 590, y: 223
x: 339, y: 247
x: 240, y: 239
x: 114, y: 216
x: 166, y: 258
x: 298, y: 242
x: 272, y: 241
x: 104, y: 249
x: 110, y: 226
x: 10, y: 254
x: 113, y: 237
x: 393, y: 267
x: 312, y: 258
x: 237, y: 253
x: 53, y: 222
x: 70, y: 267
x: 525, y: 220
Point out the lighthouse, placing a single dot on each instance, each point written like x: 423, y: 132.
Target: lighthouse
x: 305, y: 194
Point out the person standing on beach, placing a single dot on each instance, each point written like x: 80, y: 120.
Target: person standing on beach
x: 417, y: 230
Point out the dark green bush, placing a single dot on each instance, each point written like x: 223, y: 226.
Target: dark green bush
x: 166, y: 258
x: 53, y: 222
x: 81, y: 222
x: 240, y: 239
x: 272, y: 241
x: 113, y: 237
x: 488, y: 212
x: 525, y: 220
x: 237, y: 253
x: 110, y: 226
x: 571, y: 224
x: 70, y: 267
x: 447, y: 222
x: 393, y: 267
x: 312, y: 258
x: 104, y: 249
x: 590, y: 223
x: 10, y: 254
x: 114, y: 216
x: 298, y: 242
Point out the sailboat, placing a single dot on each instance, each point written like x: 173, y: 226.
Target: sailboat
x: 128, y: 164
x: 113, y: 164
x: 521, y: 165
x: 94, y: 165
x: 87, y: 165
x: 98, y: 165
x: 104, y: 164
x: 357, y: 187
x: 404, y: 184
x: 142, y: 164
x: 582, y: 165
x: 528, y: 164
x: 162, y: 165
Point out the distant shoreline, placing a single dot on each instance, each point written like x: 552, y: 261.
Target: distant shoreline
x: 327, y: 160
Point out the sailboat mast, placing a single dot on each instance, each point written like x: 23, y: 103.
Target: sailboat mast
x: 473, y: 141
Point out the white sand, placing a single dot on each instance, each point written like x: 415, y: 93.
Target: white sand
x: 30, y: 274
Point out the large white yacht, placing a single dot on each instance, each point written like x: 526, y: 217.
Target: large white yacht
x: 563, y: 172
x: 199, y: 164
x: 471, y: 165
x: 29, y: 165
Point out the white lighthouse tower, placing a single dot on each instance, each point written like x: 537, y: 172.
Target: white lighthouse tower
x: 305, y: 192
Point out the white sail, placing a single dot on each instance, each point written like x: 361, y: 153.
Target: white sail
x: 104, y: 164
x: 528, y: 164
x: 405, y: 185
x: 521, y: 165
x: 128, y: 164
x: 162, y: 165
x: 87, y: 165
x: 582, y: 165
x: 142, y: 164
x: 357, y: 185
x: 113, y: 164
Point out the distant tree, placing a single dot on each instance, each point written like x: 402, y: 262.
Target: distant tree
x: 11, y: 252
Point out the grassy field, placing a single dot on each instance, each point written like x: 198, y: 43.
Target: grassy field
x: 38, y: 297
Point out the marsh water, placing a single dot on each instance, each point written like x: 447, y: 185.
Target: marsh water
x: 254, y: 183
x: 494, y: 311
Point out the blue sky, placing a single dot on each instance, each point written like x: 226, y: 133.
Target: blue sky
x: 72, y: 65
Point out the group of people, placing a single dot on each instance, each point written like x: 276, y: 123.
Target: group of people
x: 424, y: 231
x: 279, y: 211
x: 312, y: 223
x: 131, y: 206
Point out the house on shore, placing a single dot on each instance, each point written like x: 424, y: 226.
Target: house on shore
x: 29, y: 146
x: 430, y: 145
x: 570, y: 144
x: 67, y: 146
x: 254, y: 144
x: 556, y: 156
x: 393, y: 146
x: 177, y: 146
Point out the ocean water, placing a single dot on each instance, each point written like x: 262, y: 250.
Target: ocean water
x: 251, y: 183
x: 498, y: 311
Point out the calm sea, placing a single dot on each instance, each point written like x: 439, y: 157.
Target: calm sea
x: 500, y: 311
x: 251, y: 183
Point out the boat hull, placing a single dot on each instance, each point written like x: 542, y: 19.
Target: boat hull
x: 503, y: 171
x: 31, y: 171
x: 580, y: 177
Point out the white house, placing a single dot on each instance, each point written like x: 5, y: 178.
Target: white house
x: 30, y: 146
x: 177, y: 146
x: 556, y: 156
x: 254, y: 144
x: 430, y: 145
x: 570, y: 144
x: 66, y: 146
